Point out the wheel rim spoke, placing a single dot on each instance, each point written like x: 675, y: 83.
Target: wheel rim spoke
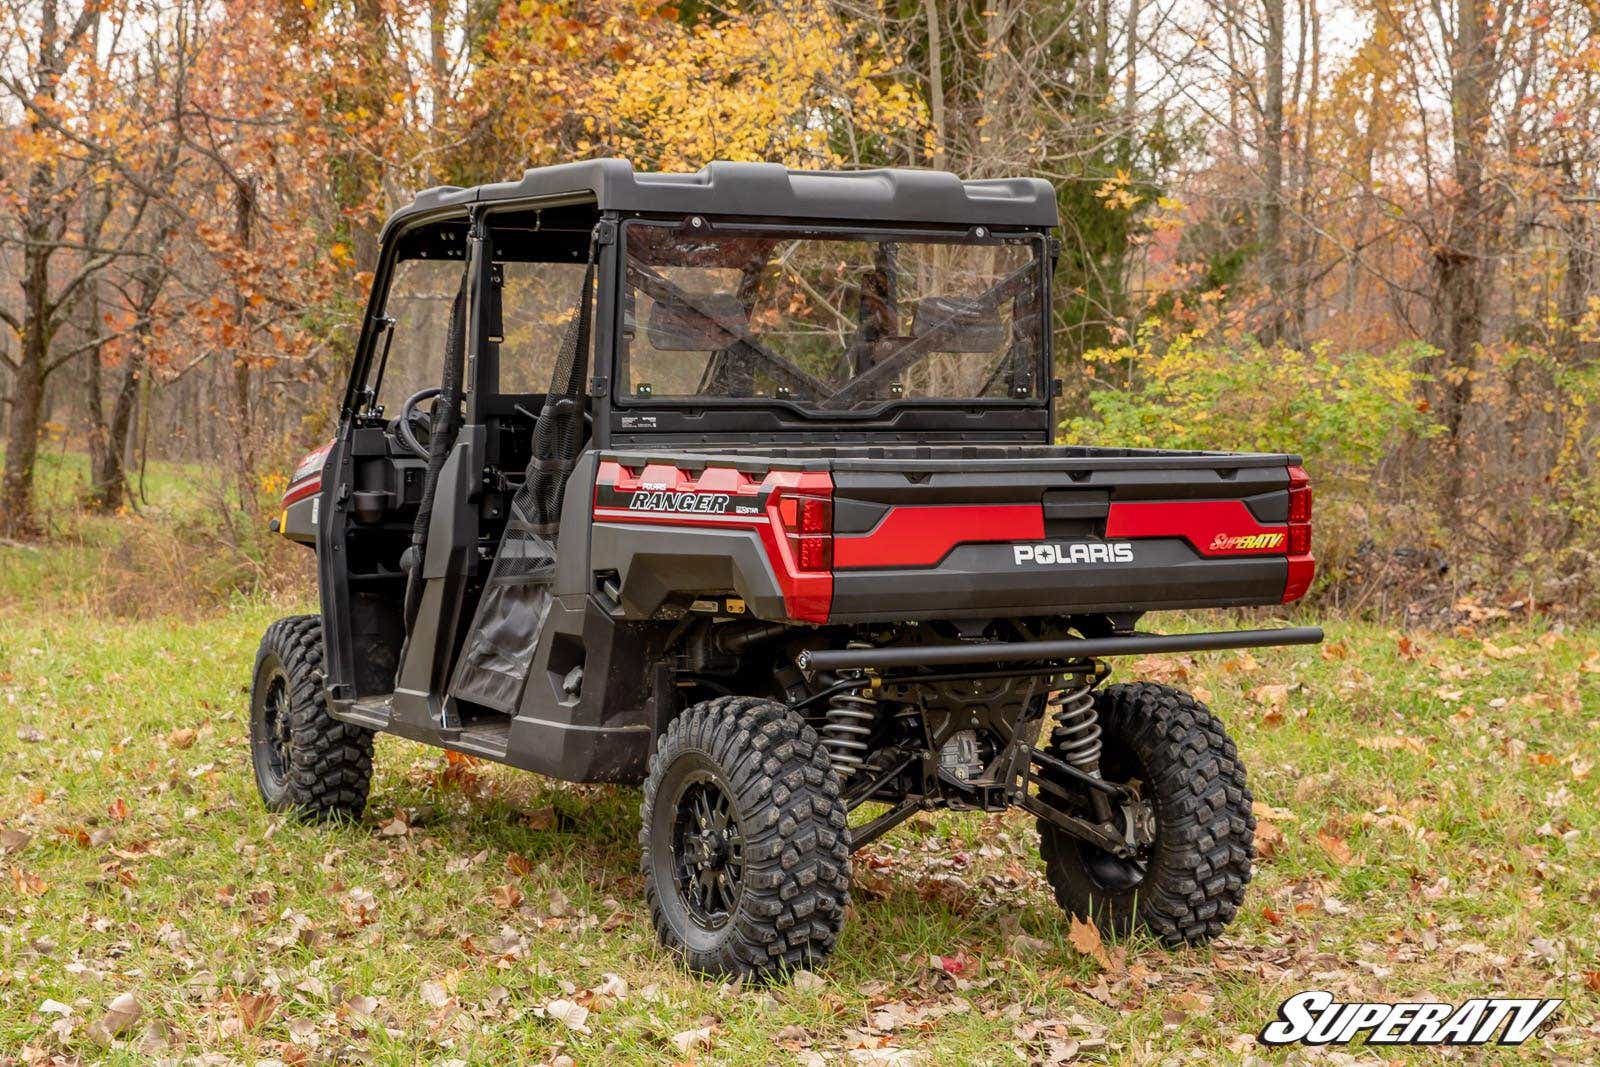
x: 709, y: 861
x: 275, y: 737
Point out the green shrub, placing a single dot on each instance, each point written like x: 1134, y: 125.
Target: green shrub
x: 1344, y: 414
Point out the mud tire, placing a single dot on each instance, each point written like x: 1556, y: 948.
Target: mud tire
x: 1194, y: 874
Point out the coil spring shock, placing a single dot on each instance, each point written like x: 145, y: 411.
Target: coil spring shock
x: 1076, y: 735
x: 850, y: 718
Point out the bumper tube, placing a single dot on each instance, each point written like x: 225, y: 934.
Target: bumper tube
x: 1069, y: 649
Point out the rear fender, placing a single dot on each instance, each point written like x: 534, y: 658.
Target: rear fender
x: 665, y: 530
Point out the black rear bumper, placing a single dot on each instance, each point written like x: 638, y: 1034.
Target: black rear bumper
x: 829, y: 660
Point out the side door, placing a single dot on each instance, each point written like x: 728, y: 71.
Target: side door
x: 375, y: 479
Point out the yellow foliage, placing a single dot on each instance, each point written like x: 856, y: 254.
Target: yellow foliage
x: 787, y: 84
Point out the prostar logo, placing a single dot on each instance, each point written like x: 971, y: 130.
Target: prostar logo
x: 1246, y: 542
x: 1315, y: 1018
x: 1049, y: 554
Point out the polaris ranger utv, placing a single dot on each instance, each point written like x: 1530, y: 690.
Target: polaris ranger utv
x: 739, y: 485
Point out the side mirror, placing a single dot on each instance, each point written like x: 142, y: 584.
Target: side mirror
x: 958, y: 325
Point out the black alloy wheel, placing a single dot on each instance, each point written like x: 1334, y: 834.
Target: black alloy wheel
x: 707, y: 850
x: 745, y: 850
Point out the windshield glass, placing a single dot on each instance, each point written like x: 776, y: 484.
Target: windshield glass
x: 829, y: 323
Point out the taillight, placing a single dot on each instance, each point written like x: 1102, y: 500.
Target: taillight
x: 1301, y: 566
x: 807, y: 523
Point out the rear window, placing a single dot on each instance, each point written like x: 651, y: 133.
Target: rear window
x: 829, y: 323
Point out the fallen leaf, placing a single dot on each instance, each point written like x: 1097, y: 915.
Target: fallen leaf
x: 806, y: 982
x: 1271, y: 696
x: 518, y: 865
x: 1085, y: 937
x: 569, y: 1013
x: 559, y: 905
x: 255, y: 1009
x: 182, y: 737
x: 1336, y: 847
x: 1270, y: 841
x: 1267, y: 811
x: 361, y: 1005
x: 506, y: 896
x: 434, y: 994
x: 1193, y: 1002
x: 1024, y: 946
x: 120, y: 1015
x: 360, y: 906
x: 687, y: 1041
x: 118, y: 809
x: 542, y: 818
x: 14, y: 840
x: 395, y: 827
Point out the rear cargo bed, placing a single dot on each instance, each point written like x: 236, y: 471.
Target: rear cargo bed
x: 930, y: 531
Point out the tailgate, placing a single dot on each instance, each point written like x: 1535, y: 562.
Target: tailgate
x: 1060, y: 531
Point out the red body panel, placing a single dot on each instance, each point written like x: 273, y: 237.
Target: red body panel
x: 307, y: 478
x: 922, y: 536
x: 1213, y: 527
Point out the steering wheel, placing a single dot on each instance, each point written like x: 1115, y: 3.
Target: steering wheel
x: 411, y: 421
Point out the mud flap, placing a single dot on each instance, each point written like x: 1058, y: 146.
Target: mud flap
x: 498, y: 654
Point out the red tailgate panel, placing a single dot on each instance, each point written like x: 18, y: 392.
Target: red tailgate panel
x: 921, y: 536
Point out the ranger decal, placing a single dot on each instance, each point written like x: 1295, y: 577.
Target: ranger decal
x: 667, y: 500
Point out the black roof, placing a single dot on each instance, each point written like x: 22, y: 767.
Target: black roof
x: 769, y: 189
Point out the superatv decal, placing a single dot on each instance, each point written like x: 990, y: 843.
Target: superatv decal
x: 1246, y: 542
x: 1049, y: 554
x: 1316, y: 1018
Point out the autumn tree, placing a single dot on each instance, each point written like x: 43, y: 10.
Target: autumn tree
x: 46, y: 175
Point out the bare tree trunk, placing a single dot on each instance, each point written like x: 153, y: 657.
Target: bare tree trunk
x: 1578, y: 280
x: 1130, y: 84
x: 27, y: 391
x: 930, y: 9
x: 243, y: 440
x: 1269, y: 233
x: 1460, y: 256
x: 22, y: 435
x: 1304, y: 260
x: 44, y: 213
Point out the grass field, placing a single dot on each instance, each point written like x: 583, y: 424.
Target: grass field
x: 1429, y: 831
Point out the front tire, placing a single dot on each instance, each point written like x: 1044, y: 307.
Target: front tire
x: 746, y: 854
x: 1190, y: 882
x: 305, y: 760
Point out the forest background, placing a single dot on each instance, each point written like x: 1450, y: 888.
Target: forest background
x: 1362, y: 230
